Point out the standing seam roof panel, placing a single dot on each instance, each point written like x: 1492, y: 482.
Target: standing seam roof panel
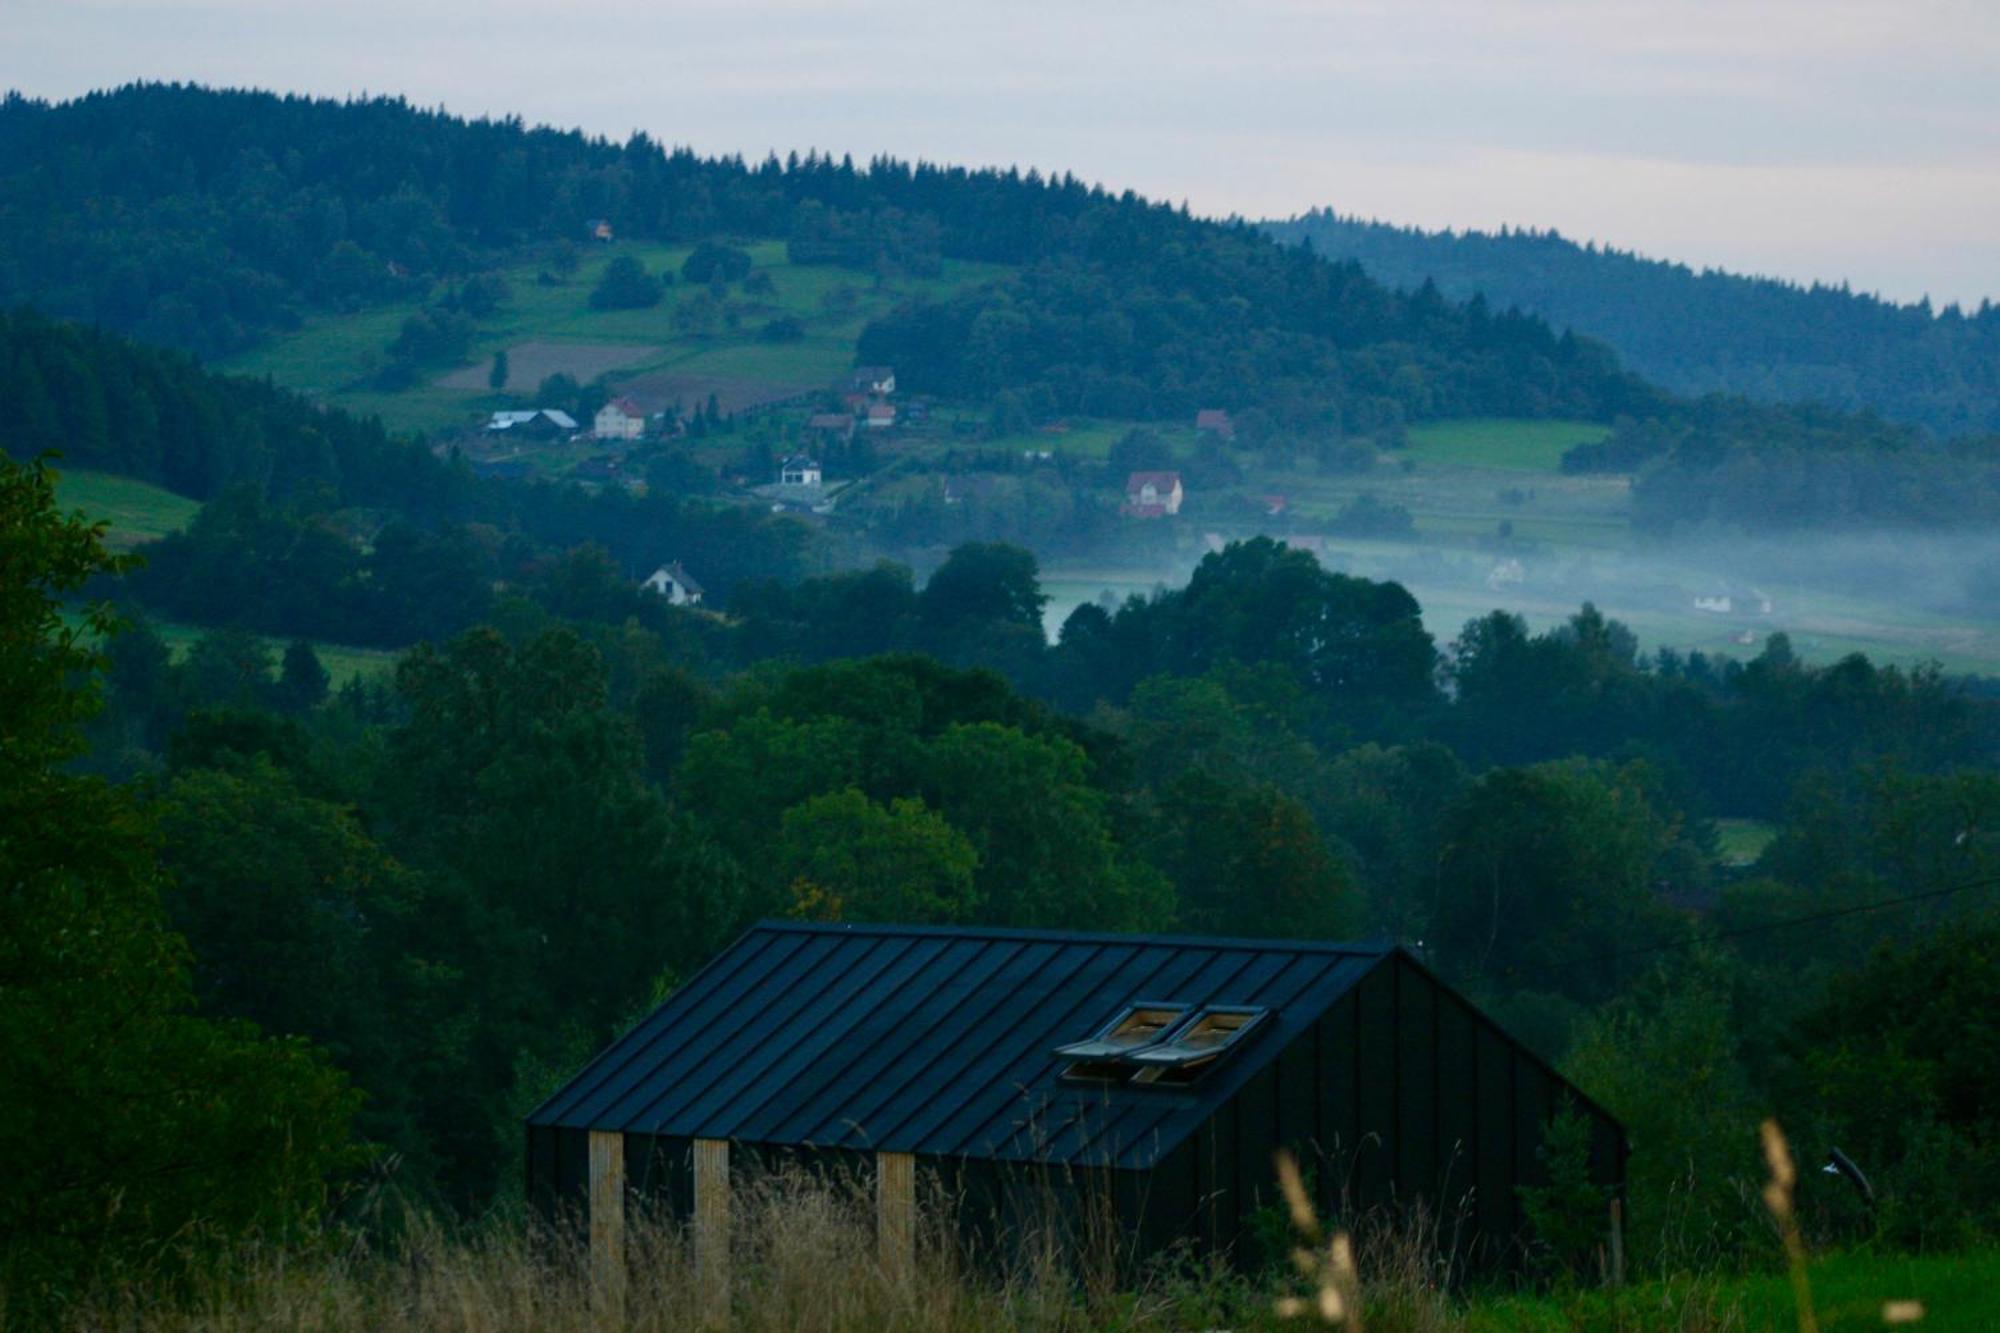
x: 918, y: 1123
x: 802, y: 1070
x: 711, y: 1021
x: 1138, y: 975
x: 939, y: 1041
x: 821, y: 1088
x: 986, y: 959
x: 955, y: 1059
x: 671, y: 1099
x: 836, y: 991
x: 577, y: 1100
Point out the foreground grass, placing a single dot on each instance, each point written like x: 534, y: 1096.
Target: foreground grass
x: 804, y: 1258
x: 1958, y: 1294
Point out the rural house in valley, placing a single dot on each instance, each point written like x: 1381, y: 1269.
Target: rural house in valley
x: 877, y: 380
x: 675, y: 584
x: 1041, y: 1076
x: 544, y: 423
x: 619, y: 419
x: 1153, y: 494
x: 799, y: 470
x: 834, y: 426
x: 1214, y: 421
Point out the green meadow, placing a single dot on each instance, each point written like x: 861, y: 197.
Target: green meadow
x: 136, y: 510
x: 1500, y: 444
x: 334, y: 357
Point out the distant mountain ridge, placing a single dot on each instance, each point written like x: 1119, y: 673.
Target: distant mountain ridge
x: 208, y: 219
x: 1697, y: 332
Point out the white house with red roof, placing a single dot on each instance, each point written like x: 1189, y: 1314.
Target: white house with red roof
x: 619, y: 419
x: 1153, y: 494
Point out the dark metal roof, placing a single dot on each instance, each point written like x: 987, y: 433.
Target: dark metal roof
x: 938, y: 1041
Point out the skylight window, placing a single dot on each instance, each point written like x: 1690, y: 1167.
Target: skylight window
x: 1160, y: 1043
x: 1189, y: 1051
x: 1104, y: 1055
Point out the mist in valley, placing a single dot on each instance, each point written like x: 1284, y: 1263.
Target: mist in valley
x: 1906, y: 597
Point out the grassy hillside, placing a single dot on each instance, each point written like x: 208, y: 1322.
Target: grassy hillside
x: 342, y: 661
x: 137, y: 511
x: 548, y: 325
x: 1505, y: 446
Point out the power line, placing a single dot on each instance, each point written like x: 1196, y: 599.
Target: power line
x: 1767, y: 927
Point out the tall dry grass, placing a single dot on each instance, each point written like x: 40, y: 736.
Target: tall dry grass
x: 804, y: 1260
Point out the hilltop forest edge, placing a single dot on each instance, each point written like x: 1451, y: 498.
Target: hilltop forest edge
x: 1703, y: 332
x: 325, y: 960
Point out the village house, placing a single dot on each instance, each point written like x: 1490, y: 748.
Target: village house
x: 877, y: 380
x: 598, y: 229
x: 831, y: 425
x: 1214, y: 421
x: 881, y: 416
x: 542, y: 423
x: 675, y: 584
x: 799, y: 470
x: 619, y: 419
x: 1153, y: 494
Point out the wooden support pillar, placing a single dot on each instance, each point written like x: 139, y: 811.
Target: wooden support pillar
x: 711, y: 1228
x: 607, y: 1221
x: 896, y: 1212
x: 1617, y: 1242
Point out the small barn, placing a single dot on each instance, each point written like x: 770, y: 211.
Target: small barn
x: 1151, y: 1076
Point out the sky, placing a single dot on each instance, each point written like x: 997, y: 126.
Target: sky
x: 1805, y: 139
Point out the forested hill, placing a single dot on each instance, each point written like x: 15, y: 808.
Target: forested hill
x: 206, y: 220
x: 1697, y: 332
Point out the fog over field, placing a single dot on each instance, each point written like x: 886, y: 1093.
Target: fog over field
x: 1907, y: 597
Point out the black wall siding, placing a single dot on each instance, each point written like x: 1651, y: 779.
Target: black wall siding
x: 1493, y: 1168
x: 1459, y: 1106
x: 1340, y: 1104
x: 1416, y: 1086
x: 1375, y: 1085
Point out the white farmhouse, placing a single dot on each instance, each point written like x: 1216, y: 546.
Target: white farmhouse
x: 619, y: 419
x: 799, y: 470
x: 674, y: 583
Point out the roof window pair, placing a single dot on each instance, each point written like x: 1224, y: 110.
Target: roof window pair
x: 1172, y: 1044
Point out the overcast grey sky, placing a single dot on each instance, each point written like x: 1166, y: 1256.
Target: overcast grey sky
x: 1802, y: 138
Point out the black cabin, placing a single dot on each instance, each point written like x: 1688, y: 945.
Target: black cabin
x: 1153, y: 1075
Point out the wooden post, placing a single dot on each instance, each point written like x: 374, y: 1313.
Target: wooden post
x: 711, y: 1227
x: 896, y: 1212
x: 1617, y: 1242
x: 607, y: 1221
